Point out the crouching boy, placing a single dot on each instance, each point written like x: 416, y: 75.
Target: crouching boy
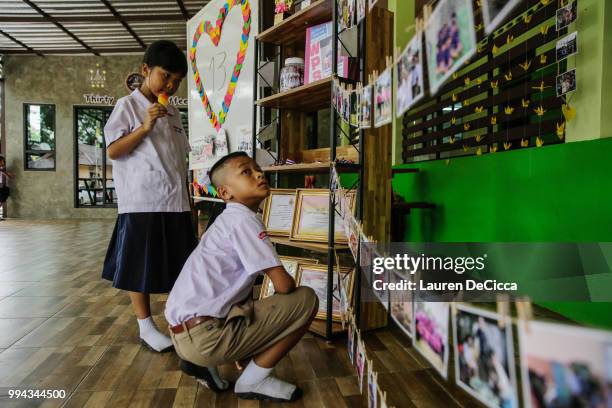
x: 212, y: 316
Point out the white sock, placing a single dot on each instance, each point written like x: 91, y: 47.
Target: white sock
x: 253, y: 374
x: 151, y: 335
x: 258, y: 380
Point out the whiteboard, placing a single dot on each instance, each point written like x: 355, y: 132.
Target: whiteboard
x: 215, y: 65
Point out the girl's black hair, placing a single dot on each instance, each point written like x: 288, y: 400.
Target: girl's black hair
x: 167, y: 55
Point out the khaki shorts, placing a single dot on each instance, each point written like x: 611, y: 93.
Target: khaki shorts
x: 248, y: 329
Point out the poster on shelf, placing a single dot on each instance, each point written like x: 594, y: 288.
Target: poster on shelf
x: 346, y: 106
x: 450, y: 40
x: 319, y: 54
x: 354, y: 116
x: 410, y: 88
x: 565, y: 366
x: 566, y: 82
x: 496, y: 11
x: 350, y: 345
x: 383, y: 279
x: 372, y: 387
x: 352, y: 232
x: 383, y: 105
x: 334, y: 96
x: 366, y: 107
x: 401, y: 305
x: 278, y: 212
x: 360, y: 357
x: 290, y: 265
x: 220, y: 78
x: 567, y: 46
x: 566, y: 15
x: 315, y: 277
x: 430, y: 333
x: 484, y: 356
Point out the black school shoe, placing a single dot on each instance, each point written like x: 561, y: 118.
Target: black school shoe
x: 147, y: 345
x: 201, y: 374
x: 296, y: 395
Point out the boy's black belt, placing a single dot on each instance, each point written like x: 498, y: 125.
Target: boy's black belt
x: 190, y: 324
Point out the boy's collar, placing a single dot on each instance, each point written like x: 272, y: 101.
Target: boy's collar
x: 139, y: 96
x: 240, y: 207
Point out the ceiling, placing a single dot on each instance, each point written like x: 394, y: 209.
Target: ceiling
x: 45, y: 27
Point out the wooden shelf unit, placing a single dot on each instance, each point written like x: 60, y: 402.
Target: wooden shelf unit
x: 306, y: 98
x: 318, y: 327
x: 293, y: 29
x: 320, y: 167
x: 311, y: 246
x: 295, y: 108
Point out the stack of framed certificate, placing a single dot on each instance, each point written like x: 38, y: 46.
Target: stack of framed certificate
x: 302, y: 215
x: 308, y: 272
x: 291, y: 264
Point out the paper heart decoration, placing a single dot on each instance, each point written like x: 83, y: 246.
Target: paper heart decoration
x: 214, y: 32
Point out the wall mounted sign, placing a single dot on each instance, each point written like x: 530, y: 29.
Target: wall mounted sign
x: 96, y: 99
x: 97, y: 78
x: 133, y: 81
x: 177, y: 101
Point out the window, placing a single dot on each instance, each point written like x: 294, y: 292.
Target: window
x: 94, y: 185
x: 39, y: 132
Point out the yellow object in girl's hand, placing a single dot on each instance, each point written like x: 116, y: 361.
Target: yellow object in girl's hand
x: 162, y: 99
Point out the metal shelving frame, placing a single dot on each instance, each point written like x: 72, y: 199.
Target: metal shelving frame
x: 335, y: 126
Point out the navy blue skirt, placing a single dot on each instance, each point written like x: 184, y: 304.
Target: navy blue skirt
x: 148, y: 250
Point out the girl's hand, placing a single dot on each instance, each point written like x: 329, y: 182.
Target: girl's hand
x: 154, y: 112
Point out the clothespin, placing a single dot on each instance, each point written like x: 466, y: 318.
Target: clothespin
x: 383, y: 398
x: 419, y: 26
x: 427, y: 10
x: 503, y: 309
x: 525, y: 312
x: 389, y: 62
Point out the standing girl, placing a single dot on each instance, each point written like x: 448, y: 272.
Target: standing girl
x: 154, y: 234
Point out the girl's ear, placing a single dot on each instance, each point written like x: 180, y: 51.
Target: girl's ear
x: 144, y: 69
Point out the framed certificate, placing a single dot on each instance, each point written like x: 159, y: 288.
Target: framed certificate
x: 311, y: 217
x: 278, y: 212
x: 315, y: 276
x: 291, y: 266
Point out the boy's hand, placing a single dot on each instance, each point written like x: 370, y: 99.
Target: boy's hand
x: 154, y: 112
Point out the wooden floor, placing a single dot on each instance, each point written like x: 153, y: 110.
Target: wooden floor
x: 63, y: 327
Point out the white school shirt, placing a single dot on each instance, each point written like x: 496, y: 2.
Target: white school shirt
x: 221, y: 271
x: 153, y: 176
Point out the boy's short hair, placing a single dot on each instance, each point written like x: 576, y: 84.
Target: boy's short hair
x: 166, y: 54
x: 222, y: 162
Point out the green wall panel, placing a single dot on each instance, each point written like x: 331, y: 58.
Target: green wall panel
x: 560, y: 193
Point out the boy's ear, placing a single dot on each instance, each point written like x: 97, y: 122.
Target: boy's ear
x: 223, y: 193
